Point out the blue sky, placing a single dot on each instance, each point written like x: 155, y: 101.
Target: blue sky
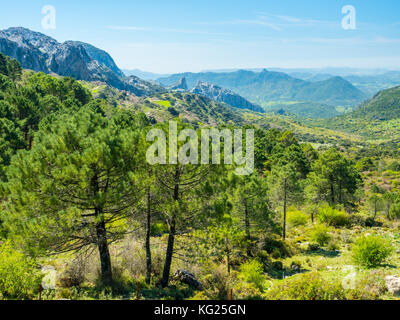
x: 183, y: 35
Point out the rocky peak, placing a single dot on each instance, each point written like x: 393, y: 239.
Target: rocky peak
x: 79, y: 60
x: 181, y: 85
x: 229, y: 97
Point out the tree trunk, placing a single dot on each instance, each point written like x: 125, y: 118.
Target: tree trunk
x: 170, y: 251
x: 101, y: 233
x: 332, y: 194
x: 228, y: 259
x: 105, y: 260
x: 148, y: 234
x: 171, y: 237
x: 284, y: 211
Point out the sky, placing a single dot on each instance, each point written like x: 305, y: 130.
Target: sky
x: 165, y: 36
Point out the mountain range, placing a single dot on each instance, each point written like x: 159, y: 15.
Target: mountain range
x: 265, y: 86
x: 310, y: 95
x: 79, y: 60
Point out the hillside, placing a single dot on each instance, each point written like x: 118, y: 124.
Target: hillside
x: 384, y: 106
x: 304, y: 109
x: 377, y: 120
x: 160, y: 107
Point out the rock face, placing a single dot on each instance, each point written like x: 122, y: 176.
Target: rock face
x: 217, y: 93
x: 79, y: 60
x: 188, y: 278
x: 393, y: 284
x: 181, y: 85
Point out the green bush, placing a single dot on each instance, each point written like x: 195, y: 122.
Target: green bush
x: 333, y: 217
x: 297, y: 218
x: 252, y: 272
x: 247, y: 291
x: 371, y: 251
x: 19, y: 276
x: 320, y: 235
x: 274, y: 245
x: 310, y: 286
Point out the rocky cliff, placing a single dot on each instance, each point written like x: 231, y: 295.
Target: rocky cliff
x: 79, y: 60
x: 217, y: 93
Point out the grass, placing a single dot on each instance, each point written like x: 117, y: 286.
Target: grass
x: 163, y: 103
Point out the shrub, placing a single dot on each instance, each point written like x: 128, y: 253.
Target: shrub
x: 333, y: 217
x: 333, y: 245
x: 297, y: 218
x: 247, y: 291
x: 370, y: 222
x: 357, y: 220
x: 217, y: 283
x: 74, y: 274
x: 371, y: 251
x: 310, y: 286
x: 320, y: 235
x: 275, y: 246
x: 252, y: 272
x: 264, y: 258
x: 313, y: 247
x: 19, y: 276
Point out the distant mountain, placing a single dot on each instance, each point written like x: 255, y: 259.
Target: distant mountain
x: 334, y: 91
x: 371, y: 84
x: 311, y: 76
x: 144, y: 74
x: 79, y: 60
x: 265, y: 86
x: 181, y: 85
x: 217, y: 93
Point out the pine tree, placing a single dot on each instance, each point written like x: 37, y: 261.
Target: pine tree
x: 77, y: 185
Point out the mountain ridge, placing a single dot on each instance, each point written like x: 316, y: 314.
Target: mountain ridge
x: 82, y: 61
x: 268, y: 86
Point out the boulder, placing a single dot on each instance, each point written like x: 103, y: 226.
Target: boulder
x: 187, y: 278
x: 393, y: 284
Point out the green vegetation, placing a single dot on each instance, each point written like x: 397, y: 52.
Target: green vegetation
x: 19, y: 276
x: 333, y: 217
x: 371, y: 251
x: 77, y: 195
x: 320, y: 235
